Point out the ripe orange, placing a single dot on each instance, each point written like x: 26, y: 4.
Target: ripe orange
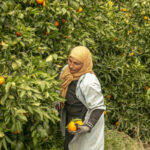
x: 68, y: 37
x: 57, y: 23
x: 108, y: 96
x: 124, y: 9
x: 2, y: 80
x: 47, y: 33
x: 115, y: 39
x: 130, y: 31
x: 18, y: 34
x: 105, y: 112
x: 147, y: 87
x: 40, y: 1
x: 145, y: 18
x: 44, y: 3
x: 16, y: 132
x: 131, y: 54
x: 79, y: 122
x: 71, y: 126
x: 39, y: 49
x: 80, y: 9
x: 117, y: 123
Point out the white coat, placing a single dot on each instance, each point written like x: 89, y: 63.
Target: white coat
x: 88, y: 91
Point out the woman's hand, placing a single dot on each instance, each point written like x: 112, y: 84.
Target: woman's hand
x: 81, y: 129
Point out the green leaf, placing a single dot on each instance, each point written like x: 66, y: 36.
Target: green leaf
x: 38, y: 96
x: 4, y: 144
x: 55, y: 56
x: 14, y: 66
x: 22, y: 94
x: 30, y: 109
x: 22, y: 118
x: 1, y: 144
x: 35, y: 141
x: 7, y: 87
x: 8, y: 139
x: 2, y: 134
x: 2, y: 102
x: 49, y: 58
x: 36, y: 104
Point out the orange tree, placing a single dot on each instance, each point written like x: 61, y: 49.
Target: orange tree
x: 122, y: 64
x: 28, y: 119
x: 36, y: 37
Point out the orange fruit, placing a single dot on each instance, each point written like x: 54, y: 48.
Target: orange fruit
x: 68, y: 37
x: 71, y: 126
x: 40, y: 1
x: 124, y: 9
x: 79, y: 122
x: 47, y: 33
x: 130, y: 31
x: 39, y: 49
x: 80, y: 9
x: 18, y: 34
x: 145, y: 18
x: 108, y: 96
x: 105, y: 112
x: 57, y: 23
x: 63, y: 20
x: 147, y: 87
x: 115, y: 39
x: 16, y: 132
x: 131, y: 54
x: 117, y: 123
x: 44, y: 3
x: 2, y: 80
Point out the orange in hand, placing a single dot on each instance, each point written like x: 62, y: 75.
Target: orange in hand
x: 79, y: 122
x: 71, y: 126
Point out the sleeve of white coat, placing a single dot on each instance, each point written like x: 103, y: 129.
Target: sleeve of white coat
x: 92, y: 92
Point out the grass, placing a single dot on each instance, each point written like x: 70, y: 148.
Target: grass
x: 115, y: 140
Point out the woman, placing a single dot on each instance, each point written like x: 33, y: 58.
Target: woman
x: 82, y: 91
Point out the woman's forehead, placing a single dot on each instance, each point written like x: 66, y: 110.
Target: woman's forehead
x: 74, y: 59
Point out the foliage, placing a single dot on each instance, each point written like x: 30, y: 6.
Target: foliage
x: 27, y: 116
x: 115, y: 140
x: 122, y: 64
x: 34, y: 44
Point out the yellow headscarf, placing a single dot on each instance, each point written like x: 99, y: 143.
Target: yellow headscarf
x: 82, y: 54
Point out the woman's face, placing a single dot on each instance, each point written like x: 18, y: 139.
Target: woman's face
x: 74, y: 65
